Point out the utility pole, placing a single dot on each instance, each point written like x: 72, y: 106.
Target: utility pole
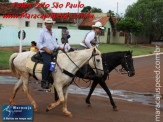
x: 117, y: 13
x: 77, y: 17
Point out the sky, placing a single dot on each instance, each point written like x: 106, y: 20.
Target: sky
x: 105, y: 5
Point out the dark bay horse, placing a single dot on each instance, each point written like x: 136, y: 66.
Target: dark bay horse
x: 110, y: 61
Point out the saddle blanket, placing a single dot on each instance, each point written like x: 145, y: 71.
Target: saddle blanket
x: 30, y: 64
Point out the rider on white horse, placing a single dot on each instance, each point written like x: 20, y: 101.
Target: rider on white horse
x: 46, y: 44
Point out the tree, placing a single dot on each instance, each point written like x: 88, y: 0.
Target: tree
x: 86, y: 9
x: 32, y: 1
x: 150, y: 13
x: 129, y: 25
x: 96, y: 10
x: 4, y: 0
x: 111, y: 13
x: 91, y: 9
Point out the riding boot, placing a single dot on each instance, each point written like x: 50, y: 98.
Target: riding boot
x: 44, y: 84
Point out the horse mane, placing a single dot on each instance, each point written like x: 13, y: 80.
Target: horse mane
x: 117, y: 52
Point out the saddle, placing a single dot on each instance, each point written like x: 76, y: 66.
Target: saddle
x: 37, y: 58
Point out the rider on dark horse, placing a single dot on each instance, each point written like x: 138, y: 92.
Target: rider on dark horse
x: 91, y: 39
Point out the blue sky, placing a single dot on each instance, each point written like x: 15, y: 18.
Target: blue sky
x: 105, y: 5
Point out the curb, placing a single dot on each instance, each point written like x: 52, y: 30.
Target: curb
x: 142, y: 56
x: 5, y: 71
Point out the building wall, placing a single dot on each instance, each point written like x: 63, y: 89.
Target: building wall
x: 103, y: 38
x: 33, y: 22
x: 70, y: 26
x: 20, y: 22
x: 9, y: 21
x: 9, y: 36
x: 117, y: 39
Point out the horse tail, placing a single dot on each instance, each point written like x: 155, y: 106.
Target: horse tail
x: 12, y: 67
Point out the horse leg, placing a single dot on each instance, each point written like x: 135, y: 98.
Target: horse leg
x: 26, y: 91
x: 64, y: 109
x: 61, y: 99
x: 56, y: 98
x: 94, y: 84
x: 16, y: 88
x: 104, y: 86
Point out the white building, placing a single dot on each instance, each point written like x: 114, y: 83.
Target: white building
x: 10, y: 16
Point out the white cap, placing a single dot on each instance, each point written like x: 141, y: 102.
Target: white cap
x: 98, y: 25
x: 49, y: 20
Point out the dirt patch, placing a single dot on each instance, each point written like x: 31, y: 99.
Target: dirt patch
x: 15, y: 48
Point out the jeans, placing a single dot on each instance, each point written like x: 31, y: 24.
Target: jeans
x: 47, y: 58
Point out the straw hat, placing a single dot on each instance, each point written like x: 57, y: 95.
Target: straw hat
x: 49, y: 20
x: 98, y: 25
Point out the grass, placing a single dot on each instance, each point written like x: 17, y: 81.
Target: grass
x: 4, y: 59
x: 137, y: 50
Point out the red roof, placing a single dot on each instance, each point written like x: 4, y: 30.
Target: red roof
x: 7, y: 8
x: 115, y: 19
x: 91, y: 21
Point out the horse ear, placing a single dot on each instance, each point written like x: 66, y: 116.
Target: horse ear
x: 131, y: 51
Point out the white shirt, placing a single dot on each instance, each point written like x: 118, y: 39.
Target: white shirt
x: 90, y: 36
x: 66, y: 47
x: 46, y: 40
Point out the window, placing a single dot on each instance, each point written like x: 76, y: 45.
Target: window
x: 39, y: 25
x: 103, y: 32
x: 27, y: 23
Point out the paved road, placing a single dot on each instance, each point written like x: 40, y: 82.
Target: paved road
x: 101, y: 110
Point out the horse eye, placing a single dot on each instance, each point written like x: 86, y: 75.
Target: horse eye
x: 98, y: 60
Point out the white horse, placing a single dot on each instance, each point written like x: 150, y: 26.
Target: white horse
x: 61, y: 81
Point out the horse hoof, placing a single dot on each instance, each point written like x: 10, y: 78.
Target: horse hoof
x: 35, y: 109
x: 68, y: 114
x: 47, y: 110
x: 115, y: 109
x: 12, y: 102
x: 88, y: 102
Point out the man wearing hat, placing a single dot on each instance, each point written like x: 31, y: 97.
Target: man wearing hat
x: 46, y: 44
x: 93, y: 37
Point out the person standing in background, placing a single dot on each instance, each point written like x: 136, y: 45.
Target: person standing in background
x: 33, y: 47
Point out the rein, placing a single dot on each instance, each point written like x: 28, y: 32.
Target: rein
x: 122, y: 70
x: 88, y: 60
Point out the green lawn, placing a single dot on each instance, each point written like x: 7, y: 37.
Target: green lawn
x: 4, y: 59
x: 137, y: 50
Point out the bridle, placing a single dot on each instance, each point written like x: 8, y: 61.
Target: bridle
x: 124, y: 70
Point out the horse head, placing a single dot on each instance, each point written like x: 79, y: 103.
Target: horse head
x: 127, y: 63
x: 95, y: 62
